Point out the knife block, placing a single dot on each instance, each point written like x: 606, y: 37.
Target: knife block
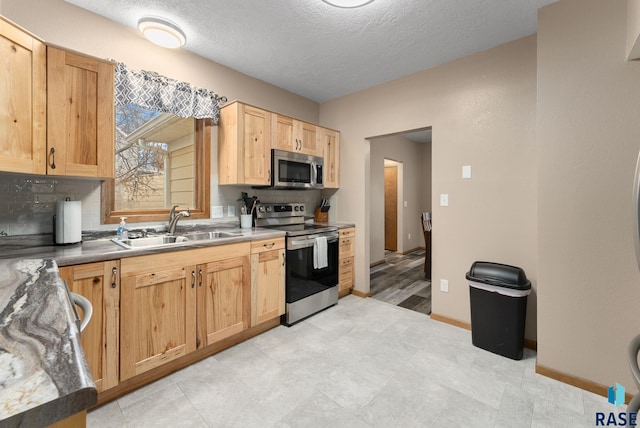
x: 321, y: 217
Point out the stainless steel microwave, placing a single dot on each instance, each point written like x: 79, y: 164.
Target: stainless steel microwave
x: 290, y: 170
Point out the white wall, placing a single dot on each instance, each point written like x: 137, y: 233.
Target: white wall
x: 482, y: 110
x: 588, y: 141
x: 414, y: 168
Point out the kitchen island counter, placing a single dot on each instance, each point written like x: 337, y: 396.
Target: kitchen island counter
x: 44, y: 374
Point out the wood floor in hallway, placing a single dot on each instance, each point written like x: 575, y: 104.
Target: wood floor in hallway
x: 401, y: 281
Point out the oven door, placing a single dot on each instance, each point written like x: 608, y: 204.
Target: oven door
x: 303, y: 280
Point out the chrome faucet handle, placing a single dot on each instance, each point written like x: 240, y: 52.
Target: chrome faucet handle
x: 172, y: 212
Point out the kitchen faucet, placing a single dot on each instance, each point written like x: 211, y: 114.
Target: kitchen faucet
x: 174, y: 217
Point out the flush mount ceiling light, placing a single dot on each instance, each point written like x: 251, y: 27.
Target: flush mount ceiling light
x: 162, y: 32
x: 347, y: 4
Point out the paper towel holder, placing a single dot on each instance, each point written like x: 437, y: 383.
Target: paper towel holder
x: 67, y: 222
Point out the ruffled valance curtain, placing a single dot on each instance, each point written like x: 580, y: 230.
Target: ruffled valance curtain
x: 154, y: 92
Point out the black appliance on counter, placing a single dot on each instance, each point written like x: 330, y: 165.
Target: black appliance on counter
x: 312, y: 259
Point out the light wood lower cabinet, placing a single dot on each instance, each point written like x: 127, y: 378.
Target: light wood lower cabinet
x: 267, y: 280
x: 346, y: 260
x: 158, y: 318
x: 224, y: 299
x: 100, y: 284
x: 173, y: 303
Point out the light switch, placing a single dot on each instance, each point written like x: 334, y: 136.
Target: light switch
x: 444, y: 285
x: 231, y: 211
x: 444, y: 200
x: 405, y: 204
x: 466, y: 171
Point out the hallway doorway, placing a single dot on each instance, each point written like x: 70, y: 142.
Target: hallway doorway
x: 390, y: 205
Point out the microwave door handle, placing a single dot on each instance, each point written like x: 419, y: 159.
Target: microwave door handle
x: 314, y: 173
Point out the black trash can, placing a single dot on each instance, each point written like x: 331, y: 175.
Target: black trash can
x: 498, y: 295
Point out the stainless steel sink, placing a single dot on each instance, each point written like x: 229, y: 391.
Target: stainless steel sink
x: 151, y: 241
x: 201, y: 236
x: 163, y: 240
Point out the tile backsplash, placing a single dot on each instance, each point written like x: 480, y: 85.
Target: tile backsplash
x: 27, y: 203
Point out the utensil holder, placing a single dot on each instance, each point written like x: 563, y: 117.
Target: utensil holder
x: 246, y: 221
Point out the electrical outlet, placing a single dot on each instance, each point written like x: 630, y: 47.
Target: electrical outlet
x: 405, y: 204
x: 217, y: 211
x: 444, y: 285
x: 444, y: 200
x: 231, y: 211
x: 409, y: 236
x: 466, y: 171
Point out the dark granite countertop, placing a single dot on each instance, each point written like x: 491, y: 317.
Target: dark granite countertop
x: 44, y: 377
x: 104, y: 249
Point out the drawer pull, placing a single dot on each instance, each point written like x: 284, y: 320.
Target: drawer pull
x: 269, y: 245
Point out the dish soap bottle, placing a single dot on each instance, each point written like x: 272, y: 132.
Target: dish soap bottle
x: 123, y: 232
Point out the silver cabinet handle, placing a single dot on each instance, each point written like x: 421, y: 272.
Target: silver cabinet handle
x: 114, y: 277
x: 87, y: 309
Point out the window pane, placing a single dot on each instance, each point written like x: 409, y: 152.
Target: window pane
x: 155, y: 165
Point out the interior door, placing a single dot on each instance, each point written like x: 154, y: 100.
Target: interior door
x: 391, y: 208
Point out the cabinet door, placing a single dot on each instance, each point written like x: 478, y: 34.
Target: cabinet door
x: 100, y: 284
x: 158, y: 319
x: 295, y: 136
x: 306, y: 135
x: 283, y: 138
x: 223, y: 299
x: 331, y: 142
x: 257, y: 146
x: 267, y: 280
x: 80, y: 115
x: 23, y: 93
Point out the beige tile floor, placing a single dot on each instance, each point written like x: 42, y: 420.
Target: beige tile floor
x: 362, y: 363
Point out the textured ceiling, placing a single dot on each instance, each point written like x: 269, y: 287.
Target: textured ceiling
x: 321, y: 52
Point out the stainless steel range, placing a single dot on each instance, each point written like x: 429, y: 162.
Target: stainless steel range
x: 312, y: 259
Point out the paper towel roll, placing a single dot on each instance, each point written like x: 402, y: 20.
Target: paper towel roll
x: 68, y: 222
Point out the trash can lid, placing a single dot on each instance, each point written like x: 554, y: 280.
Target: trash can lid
x: 499, y: 275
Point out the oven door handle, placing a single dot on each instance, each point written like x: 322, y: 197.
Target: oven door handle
x: 296, y: 244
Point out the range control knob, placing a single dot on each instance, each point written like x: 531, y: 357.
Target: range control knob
x: 261, y: 208
x: 296, y: 208
x: 268, y: 209
x: 301, y: 207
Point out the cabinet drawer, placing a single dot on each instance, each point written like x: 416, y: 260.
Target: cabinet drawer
x: 346, y: 262
x: 345, y: 278
x: 347, y: 248
x: 349, y: 232
x: 267, y: 245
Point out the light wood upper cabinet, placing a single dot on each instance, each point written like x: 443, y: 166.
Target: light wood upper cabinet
x: 267, y: 280
x: 330, y: 141
x: 22, y: 101
x: 247, y: 134
x: 244, y: 145
x: 295, y: 135
x: 80, y: 115
x: 100, y: 284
